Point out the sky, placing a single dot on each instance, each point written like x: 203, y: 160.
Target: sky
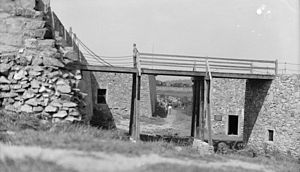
x: 257, y: 29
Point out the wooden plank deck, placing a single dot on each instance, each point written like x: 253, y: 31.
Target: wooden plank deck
x: 131, y: 70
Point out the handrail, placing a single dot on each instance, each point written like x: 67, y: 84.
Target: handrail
x: 214, y: 58
x: 251, y: 66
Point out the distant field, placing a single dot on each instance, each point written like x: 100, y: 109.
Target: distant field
x: 175, y: 91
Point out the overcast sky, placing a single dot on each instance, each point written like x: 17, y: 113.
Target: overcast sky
x: 259, y: 29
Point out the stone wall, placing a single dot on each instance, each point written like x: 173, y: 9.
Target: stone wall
x: 118, y: 95
x: 279, y: 112
x: 228, y: 97
x: 33, y: 78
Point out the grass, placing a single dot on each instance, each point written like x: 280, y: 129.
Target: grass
x: 28, y: 130
x: 169, y: 167
x: 30, y: 165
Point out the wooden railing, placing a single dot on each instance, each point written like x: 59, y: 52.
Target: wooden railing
x: 217, y: 64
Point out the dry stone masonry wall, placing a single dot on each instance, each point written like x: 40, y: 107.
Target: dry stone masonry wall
x: 280, y: 113
x: 32, y: 74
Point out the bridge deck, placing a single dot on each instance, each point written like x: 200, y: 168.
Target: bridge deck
x: 147, y: 71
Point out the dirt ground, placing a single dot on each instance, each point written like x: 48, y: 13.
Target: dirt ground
x: 99, y: 161
x: 177, y: 123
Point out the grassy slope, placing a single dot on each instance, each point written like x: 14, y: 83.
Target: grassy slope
x: 29, y: 131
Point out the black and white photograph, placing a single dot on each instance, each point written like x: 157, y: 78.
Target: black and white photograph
x: 149, y: 86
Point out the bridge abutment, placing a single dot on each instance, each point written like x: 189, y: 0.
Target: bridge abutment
x: 255, y: 94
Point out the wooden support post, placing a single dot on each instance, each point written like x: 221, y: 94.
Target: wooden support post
x: 193, y: 107
x: 201, y: 110
x: 197, y: 110
x: 208, y: 109
x: 134, y: 125
x: 137, y: 115
x: 132, y: 108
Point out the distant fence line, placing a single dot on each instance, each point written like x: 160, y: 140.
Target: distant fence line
x: 288, y: 68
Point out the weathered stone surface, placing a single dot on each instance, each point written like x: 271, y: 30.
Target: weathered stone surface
x: 20, y: 75
x: 51, y: 109
x: 34, y: 73
x: 72, y: 118
x: 37, y: 61
x: 17, y: 104
x: 56, y: 103
x: 74, y: 112
x: 69, y: 104
x: 32, y: 102
x: 4, y: 80
x: 4, y: 87
x: 6, y: 95
x: 60, y: 114
x: 26, y: 108
x: 38, y: 33
x: 49, y: 61
x: 21, y: 25
x: 278, y: 113
x: 4, y: 68
x: 9, y: 108
x: 70, y: 54
x: 35, y: 84
x: 63, y: 86
x: 20, y: 90
x: 28, y: 4
x: 8, y: 49
x: 202, y: 147
x: 11, y: 39
x: 28, y: 94
x: 38, y: 109
x: 33, y: 43
x: 25, y: 12
x: 16, y: 86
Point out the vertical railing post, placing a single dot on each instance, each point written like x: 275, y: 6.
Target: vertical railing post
x: 134, y: 125
x: 251, y: 68
x: 284, y: 67
x: 71, y: 36
x: 276, y: 67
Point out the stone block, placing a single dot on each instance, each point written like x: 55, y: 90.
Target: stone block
x: 4, y: 68
x: 38, y: 109
x: 202, y: 147
x: 28, y: 4
x: 28, y: 94
x: 38, y: 33
x: 50, y: 61
x: 11, y: 39
x: 4, y: 80
x: 51, y: 109
x: 44, y: 45
x: 4, y: 87
x: 32, y: 102
x: 37, y: 61
x: 26, y: 108
x: 69, y: 104
x: 60, y: 114
x: 20, y: 75
x: 8, y: 49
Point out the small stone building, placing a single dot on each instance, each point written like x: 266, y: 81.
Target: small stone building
x: 265, y: 116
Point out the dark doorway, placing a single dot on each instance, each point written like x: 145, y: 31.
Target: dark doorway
x: 233, y: 122
x: 271, y: 135
x: 101, y: 96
